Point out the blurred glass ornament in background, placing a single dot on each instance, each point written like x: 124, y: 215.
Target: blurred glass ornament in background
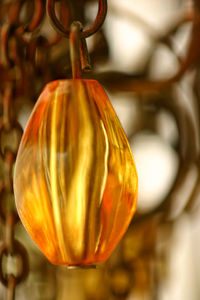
x: 157, y: 167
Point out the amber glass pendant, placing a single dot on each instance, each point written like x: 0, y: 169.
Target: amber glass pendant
x: 75, y: 180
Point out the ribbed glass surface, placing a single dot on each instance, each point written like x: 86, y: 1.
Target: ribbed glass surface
x: 75, y: 179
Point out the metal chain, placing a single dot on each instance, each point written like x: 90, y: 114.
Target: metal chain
x: 11, y: 250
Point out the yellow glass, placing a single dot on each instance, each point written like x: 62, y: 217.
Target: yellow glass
x: 75, y: 180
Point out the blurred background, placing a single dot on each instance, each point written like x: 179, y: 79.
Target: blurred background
x: 147, y: 57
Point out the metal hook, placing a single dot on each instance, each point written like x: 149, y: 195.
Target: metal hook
x: 75, y: 42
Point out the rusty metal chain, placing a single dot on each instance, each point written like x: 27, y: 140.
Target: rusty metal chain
x: 10, y: 129
x: 13, y: 52
x: 17, y: 58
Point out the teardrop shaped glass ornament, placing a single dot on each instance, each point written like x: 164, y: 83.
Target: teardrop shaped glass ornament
x: 75, y: 180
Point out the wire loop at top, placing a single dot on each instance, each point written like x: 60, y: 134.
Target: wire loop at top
x: 102, y: 11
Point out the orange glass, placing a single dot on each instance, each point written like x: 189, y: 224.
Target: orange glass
x: 75, y: 180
